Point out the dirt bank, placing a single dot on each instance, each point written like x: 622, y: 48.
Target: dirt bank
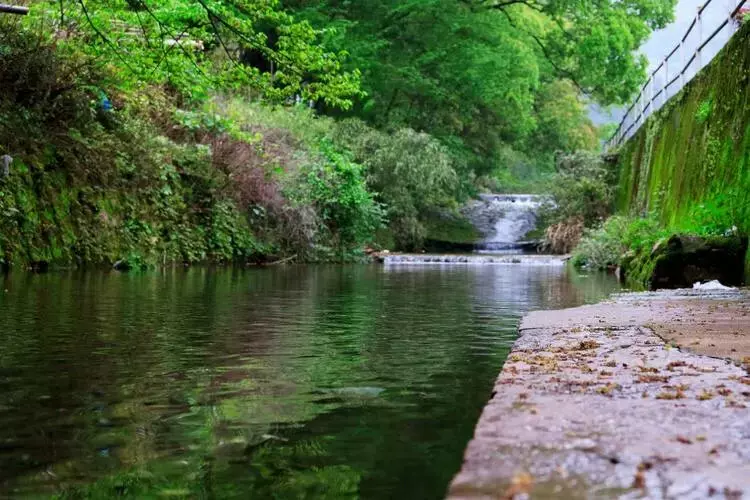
x: 620, y: 399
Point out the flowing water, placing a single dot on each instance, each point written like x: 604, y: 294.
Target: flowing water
x: 294, y: 382
x: 504, y: 220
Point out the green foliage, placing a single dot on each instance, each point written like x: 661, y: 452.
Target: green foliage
x: 562, y: 119
x: 703, y: 112
x: 111, y: 188
x: 202, y: 47
x: 582, y: 189
x: 605, y: 246
x: 723, y: 212
x: 487, y: 78
x: 336, y: 187
x: 411, y: 173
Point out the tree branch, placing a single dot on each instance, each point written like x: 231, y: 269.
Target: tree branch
x: 562, y: 71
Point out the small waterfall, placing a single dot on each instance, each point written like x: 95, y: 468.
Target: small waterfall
x: 503, y: 220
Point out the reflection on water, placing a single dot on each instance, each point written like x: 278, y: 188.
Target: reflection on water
x: 297, y: 382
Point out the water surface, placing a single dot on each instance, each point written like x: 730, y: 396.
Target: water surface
x: 291, y: 382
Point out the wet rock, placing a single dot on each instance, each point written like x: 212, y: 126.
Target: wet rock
x: 121, y: 265
x: 681, y: 261
x: 39, y: 266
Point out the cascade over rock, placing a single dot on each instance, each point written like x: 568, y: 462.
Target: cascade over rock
x: 503, y: 219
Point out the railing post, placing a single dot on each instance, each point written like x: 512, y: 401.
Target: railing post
x: 682, y: 66
x: 641, y: 106
x: 665, y: 90
x: 700, y: 41
x: 652, y: 101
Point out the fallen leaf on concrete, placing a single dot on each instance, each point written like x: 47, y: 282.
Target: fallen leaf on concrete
x: 521, y: 484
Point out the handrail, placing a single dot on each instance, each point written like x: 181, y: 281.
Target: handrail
x: 634, y: 116
x: 13, y: 9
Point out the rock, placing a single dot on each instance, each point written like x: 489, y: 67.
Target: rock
x: 682, y: 260
x: 121, y: 265
x: 6, y: 161
x: 39, y: 266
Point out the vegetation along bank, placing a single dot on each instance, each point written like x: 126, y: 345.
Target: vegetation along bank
x: 145, y: 133
x: 686, y: 173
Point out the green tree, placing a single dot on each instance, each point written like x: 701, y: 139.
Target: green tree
x: 484, y: 76
x: 591, y: 42
x: 203, y: 46
x: 410, y: 172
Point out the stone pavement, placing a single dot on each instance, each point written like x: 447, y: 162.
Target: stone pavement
x: 593, y: 402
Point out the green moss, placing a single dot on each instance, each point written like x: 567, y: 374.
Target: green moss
x: 689, y: 162
x: 704, y: 110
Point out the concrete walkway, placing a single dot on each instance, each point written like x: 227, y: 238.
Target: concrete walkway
x: 620, y: 400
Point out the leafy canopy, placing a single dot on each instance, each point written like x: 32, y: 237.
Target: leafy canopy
x: 484, y: 76
x: 203, y: 46
x: 592, y: 42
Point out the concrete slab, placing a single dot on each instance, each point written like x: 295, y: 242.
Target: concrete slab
x: 592, y: 403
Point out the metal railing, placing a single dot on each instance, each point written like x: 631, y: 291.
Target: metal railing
x: 13, y: 9
x: 662, y: 83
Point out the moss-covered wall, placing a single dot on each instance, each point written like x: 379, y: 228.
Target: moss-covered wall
x: 694, y: 153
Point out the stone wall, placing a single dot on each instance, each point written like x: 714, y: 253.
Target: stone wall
x: 691, y: 160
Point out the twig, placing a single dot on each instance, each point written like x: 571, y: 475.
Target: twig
x: 282, y: 260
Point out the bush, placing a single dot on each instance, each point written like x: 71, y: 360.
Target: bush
x: 582, y: 194
x: 563, y: 237
x: 336, y: 187
x: 583, y: 187
x: 410, y: 172
x: 604, y: 247
x: 719, y: 214
x: 304, y: 194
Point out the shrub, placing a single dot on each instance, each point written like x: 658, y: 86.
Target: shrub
x: 720, y: 213
x: 583, y: 187
x: 563, y: 237
x: 411, y: 173
x: 605, y: 246
x: 335, y: 186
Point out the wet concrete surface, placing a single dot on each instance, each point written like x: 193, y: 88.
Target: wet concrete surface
x: 645, y: 396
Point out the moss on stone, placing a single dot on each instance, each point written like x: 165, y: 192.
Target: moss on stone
x: 695, y: 151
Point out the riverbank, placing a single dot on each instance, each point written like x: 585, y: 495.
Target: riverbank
x: 643, y: 395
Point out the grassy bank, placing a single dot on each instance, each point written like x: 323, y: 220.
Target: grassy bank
x: 103, y: 176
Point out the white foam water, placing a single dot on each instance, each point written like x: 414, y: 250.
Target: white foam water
x: 515, y: 215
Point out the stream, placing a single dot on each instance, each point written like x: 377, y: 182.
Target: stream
x: 349, y: 381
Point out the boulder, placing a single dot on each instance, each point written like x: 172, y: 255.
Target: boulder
x: 682, y: 260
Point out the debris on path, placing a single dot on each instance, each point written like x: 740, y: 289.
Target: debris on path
x: 593, y: 402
